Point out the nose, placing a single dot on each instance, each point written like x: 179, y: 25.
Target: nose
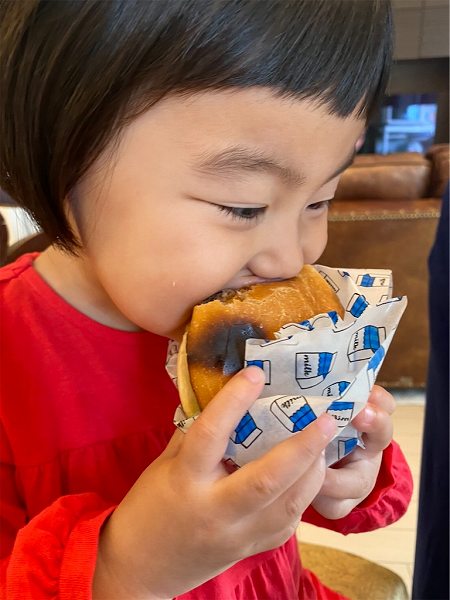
x: 279, y: 255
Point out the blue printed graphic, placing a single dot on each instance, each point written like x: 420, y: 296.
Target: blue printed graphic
x: 345, y: 446
x: 343, y: 385
x: 293, y: 412
x: 311, y: 368
x: 367, y: 280
x: 357, y: 305
x: 371, y: 337
x: 339, y: 405
x: 302, y: 417
x: 365, y: 342
x: 255, y: 363
x: 307, y: 325
x: 246, y: 432
x: 246, y: 426
x: 341, y: 411
x: 325, y: 360
x: 371, y: 281
x: 336, y: 389
x: 333, y: 316
x: 265, y: 365
x: 376, y: 359
x: 374, y: 365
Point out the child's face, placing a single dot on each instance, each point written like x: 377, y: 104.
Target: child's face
x: 216, y: 190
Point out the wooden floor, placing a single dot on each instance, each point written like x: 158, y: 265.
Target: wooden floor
x: 392, y: 546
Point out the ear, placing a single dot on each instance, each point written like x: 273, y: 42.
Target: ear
x: 360, y: 141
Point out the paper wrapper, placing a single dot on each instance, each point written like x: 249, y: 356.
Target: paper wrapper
x: 323, y: 364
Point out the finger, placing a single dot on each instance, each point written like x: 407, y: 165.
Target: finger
x: 207, y: 439
x: 351, y: 481
x: 381, y: 398
x: 288, y: 508
x: 260, y: 482
x: 377, y: 428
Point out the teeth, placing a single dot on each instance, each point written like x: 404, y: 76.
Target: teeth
x: 215, y: 296
x: 227, y: 295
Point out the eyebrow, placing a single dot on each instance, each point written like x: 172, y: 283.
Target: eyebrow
x: 237, y: 159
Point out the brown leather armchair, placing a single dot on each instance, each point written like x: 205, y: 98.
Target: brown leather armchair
x: 385, y: 215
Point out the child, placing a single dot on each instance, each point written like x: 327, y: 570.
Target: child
x: 170, y: 150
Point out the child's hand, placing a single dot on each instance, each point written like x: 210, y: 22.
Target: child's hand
x: 352, y: 480
x: 186, y: 520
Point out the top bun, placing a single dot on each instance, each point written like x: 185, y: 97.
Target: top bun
x: 213, y: 346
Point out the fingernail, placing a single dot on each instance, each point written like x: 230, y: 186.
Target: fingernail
x: 369, y: 415
x: 254, y: 374
x: 327, y: 425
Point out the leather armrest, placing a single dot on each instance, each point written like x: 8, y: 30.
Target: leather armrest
x: 388, y: 209
x: 439, y: 155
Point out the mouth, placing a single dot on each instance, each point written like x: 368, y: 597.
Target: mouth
x: 235, y: 291
x: 249, y: 280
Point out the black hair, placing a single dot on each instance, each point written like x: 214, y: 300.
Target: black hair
x: 74, y: 72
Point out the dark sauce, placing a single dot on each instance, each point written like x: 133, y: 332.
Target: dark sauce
x: 223, y: 347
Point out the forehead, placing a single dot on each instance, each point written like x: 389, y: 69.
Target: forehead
x: 293, y: 132
x: 252, y: 111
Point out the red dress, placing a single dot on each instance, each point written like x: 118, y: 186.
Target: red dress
x: 84, y: 410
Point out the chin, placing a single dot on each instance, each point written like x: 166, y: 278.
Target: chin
x: 175, y: 331
x: 176, y: 335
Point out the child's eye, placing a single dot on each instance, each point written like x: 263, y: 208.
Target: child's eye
x: 244, y: 213
x: 322, y: 205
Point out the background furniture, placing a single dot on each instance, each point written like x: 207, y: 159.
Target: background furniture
x: 385, y: 215
x: 352, y: 576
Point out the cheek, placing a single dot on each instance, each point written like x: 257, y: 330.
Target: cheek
x: 155, y: 280
x: 315, y: 241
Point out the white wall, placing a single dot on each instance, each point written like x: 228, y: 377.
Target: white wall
x: 19, y: 223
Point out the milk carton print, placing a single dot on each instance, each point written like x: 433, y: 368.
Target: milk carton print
x: 368, y: 280
x: 357, y: 305
x: 346, y: 445
x: 333, y: 316
x: 365, y: 342
x: 262, y: 364
x: 311, y: 368
x: 336, y: 389
x: 331, y: 282
x: 374, y: 365
x: 341, y: 411
x: 293, y: 412
x: 323, y: 320
x: 246, y: 432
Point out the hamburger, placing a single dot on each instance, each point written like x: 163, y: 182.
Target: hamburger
x: 213, y: 346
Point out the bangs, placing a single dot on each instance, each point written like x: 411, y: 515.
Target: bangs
x: 336, y: 52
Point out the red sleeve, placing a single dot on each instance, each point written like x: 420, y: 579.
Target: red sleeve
x: 54, y: 555
x: 386, y: 503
